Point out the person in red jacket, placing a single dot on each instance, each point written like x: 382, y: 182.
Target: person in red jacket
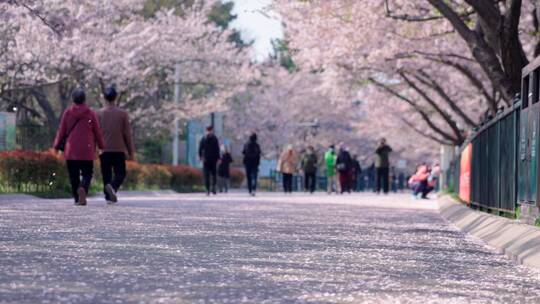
x: 80, y: 131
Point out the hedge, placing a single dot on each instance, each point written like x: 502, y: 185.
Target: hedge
x: 28, y: 172
x: 45, y: 173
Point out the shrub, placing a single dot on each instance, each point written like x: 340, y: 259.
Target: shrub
x: 25, y: 171
x: 45, y: 173
x: 156, y: 176
x: 185, y: 178
x: 237, y: 177
x: 135, y: 176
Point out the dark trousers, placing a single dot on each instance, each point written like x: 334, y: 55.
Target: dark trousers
x: 287, y: 182
x: 113, y: 169
x: 355, y: 181
x: 422, y: 187
x: 310, y: 181
x: 345, y: 181
x: 210, y: 175
x: 382, y: 179
x: 76, y: 170
x: 252, y: 173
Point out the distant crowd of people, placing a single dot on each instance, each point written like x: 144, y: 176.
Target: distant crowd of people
x: 83, y: 131
x: 342, y: 170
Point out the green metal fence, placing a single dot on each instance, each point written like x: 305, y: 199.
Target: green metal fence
x: 494, y: 163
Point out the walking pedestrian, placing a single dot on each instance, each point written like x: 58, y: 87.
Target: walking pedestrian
x: 356, y: 173
x: 382, y: 165
x: 224, y: 170
x: 344, y: 168
x: 330, y: 163
x: 288, y: 165
x: 372, y: 176
x: 118, y: 145
x: 309, y: 166
x: 209, y: 155
x: 252, y: 159
x: 393, y: 180
x: 78, y: 135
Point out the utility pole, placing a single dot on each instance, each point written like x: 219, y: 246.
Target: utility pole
x: 176, y: 130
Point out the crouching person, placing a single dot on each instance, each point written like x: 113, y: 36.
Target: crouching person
x: 118, y: 145
x: 419, y: 182
x: 77, y: 137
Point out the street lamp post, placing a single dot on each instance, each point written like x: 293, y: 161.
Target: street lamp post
x: 312, y: 126
x: 176, y: 130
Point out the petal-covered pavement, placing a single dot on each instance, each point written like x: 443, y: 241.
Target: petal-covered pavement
x: 165, y: 248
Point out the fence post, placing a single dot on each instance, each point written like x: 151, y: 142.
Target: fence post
x: 447, y: 154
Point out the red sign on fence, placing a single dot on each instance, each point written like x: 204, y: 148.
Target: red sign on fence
x: 465, y: 174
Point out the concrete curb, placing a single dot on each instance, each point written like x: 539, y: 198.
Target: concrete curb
x: 518, y: 241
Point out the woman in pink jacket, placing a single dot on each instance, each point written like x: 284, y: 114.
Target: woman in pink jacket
x: 78, y: 136
x: 419, y: 182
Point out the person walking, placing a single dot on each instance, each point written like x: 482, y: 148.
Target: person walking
x: 77, y: 136
x: 209, y: 155
x: 371, y: 178
x: 309, y: 166
x: 344, y: 168
x: 330, y: 163
x: 356, y: 173
x: 393, y: 180
x: 224, y: 170
x: 287, y: 165
x: 382, y: 165
x: 117, y: 135
x: 252, y: 159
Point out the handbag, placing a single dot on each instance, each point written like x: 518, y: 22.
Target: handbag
x: 61, y: 146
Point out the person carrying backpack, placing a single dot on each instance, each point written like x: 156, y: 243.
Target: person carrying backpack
x: 78, y: 135
x: 224, y: 170
x: 252, y: 159
x: 209, y: 155
x: 382, y: 165
x: 344, y: 168
x: 309, y: 166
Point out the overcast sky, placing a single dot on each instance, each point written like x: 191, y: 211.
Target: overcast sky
x: 257, y: 23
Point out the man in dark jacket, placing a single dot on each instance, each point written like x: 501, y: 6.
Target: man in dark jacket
x: 252, y: 159
x: 382, y: 165
x: 209, y: 155
x: 344, y: 167
x: 309, y: 166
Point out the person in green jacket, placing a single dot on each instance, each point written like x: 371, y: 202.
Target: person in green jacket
x: 330, y: 162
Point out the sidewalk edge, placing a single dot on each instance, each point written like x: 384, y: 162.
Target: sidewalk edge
x: 517, y: 241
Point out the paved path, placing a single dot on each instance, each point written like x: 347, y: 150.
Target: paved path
x: 272, y: 249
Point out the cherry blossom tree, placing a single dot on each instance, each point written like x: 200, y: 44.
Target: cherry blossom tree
x: 301, y: 108
x: 411, y: 54
x: 56, y: 45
